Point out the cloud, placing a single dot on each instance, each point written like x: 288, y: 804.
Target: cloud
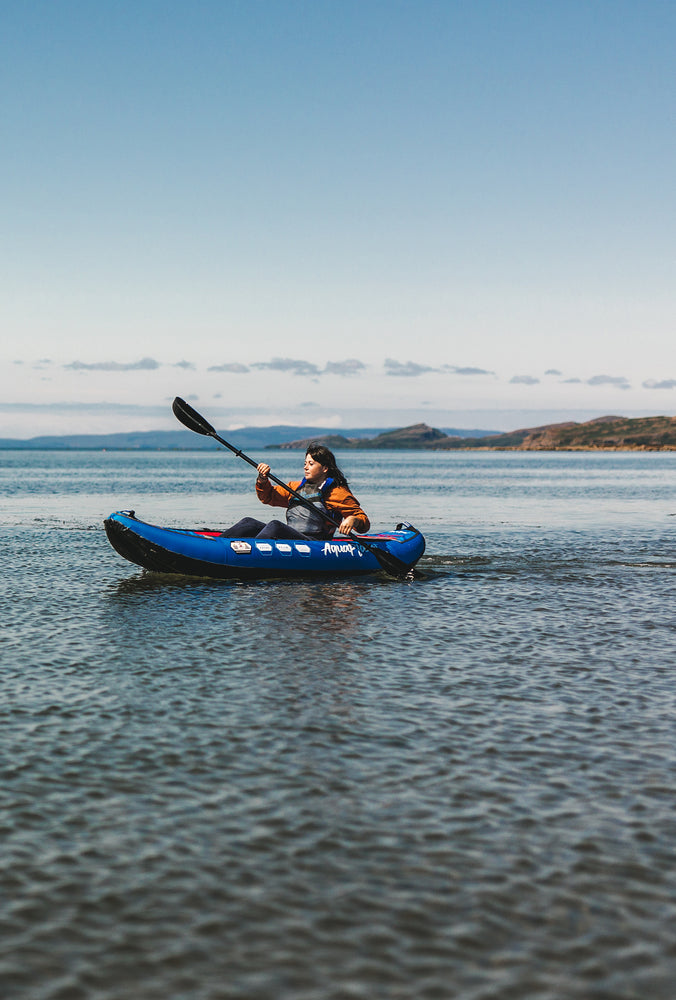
x: 619, y: 381
x: 410, y: 369
x: 145, y: 364
x: 572, y: 381
x: 467, y: 370
x: 349, y: 367
x: 553, y: 371
x: 524, y: 380
x: 666, y: 383
x: 187, y: 365
x: 294, y: 366
x: 233, y: 366
x: 289, y: 365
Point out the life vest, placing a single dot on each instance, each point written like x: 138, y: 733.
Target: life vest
x: 310, y: 522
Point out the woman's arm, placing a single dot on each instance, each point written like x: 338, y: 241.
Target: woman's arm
x: 343, y: 505
x: 270, y: 493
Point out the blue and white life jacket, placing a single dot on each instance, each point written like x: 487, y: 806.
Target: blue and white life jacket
x: 310, y: 522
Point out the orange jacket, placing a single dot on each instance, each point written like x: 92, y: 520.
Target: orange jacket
x: 339, y: 501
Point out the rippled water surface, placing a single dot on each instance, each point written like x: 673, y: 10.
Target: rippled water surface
x: 461, y: 786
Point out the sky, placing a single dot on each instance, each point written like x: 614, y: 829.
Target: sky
x: 356, y: 213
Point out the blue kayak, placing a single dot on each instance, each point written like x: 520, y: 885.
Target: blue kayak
x: 206, y: 553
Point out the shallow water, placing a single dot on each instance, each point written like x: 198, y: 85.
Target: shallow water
x: 462, y: 786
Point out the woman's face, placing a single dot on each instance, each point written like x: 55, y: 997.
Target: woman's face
x: 313, y: 471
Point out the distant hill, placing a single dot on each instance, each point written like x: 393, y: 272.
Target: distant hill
x: 183, y: 440
x: 415, y: 436
x: 602, y: 433
x: 619, y: 433
x: 609, y: 433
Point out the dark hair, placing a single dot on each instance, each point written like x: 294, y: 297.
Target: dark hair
x: 325, y: 456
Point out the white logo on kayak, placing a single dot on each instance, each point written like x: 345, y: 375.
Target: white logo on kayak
x: 339, y: 549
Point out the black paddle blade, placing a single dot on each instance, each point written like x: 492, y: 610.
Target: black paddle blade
x: 390, y: 563
x: 190, y: 418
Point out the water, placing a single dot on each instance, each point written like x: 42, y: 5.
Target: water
x: 462, y: 786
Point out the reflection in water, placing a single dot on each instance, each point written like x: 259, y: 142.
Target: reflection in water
x: 323, y: 606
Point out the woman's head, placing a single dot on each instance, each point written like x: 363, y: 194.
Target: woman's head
x: 324, y: 457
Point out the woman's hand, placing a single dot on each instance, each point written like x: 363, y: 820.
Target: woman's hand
x: 263, y: 470
x: 346, y: 525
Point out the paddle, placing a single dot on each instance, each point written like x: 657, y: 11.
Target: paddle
x: 194, y: 421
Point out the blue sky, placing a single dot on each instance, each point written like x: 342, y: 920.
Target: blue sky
x: 336, y: 213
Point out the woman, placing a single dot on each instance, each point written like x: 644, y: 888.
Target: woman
x: 327, y: 489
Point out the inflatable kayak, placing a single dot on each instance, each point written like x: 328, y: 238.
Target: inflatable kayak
x: 208, y: 553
